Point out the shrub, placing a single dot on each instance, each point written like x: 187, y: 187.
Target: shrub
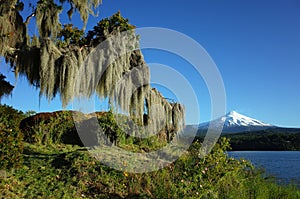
x: 11, y: 139
x: 48, y: 128
x: 10, y: 117
x: 11, y: 147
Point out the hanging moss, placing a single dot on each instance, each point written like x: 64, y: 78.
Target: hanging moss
x: 66, y: 72
x: 28, y: 63
x: 49, y: 55
x: 6, y: 6
x: 84, y: 7
x: 178, y: 117
x: 156, y: 111
x: 131, y: 90
x: 71, y: 66
x: 162, y: 115
x: 47, y: 18
x: 12, y: 30
x: 35, y: 42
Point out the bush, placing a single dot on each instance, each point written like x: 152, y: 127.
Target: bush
x: 48, y: 128
x: 51, y: 173
x: 11, y: 139
x: 11, y: 147
x: 10, y: 117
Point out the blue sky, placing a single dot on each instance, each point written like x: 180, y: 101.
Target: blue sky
x: 255, y: 44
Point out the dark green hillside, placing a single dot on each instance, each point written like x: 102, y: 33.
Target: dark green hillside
x: 267, y: 140
x: 273, y: 139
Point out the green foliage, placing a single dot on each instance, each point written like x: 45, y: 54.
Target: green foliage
x: 11, y: 139
x: 29, y: 113
x: 55, y: 170
x: 69, y: 172
x: 10, y: 117
x: 110, y: 127
x: 11, y: 147
x: 265, y: 141
x: 52, y: 60
x: 107, y: 26
x: 5, y: 87
x: 49, y: 131
x: 38, y: 178
x: 115, y: 129
x: 71, y: 35
x: 59, y: 128
x: 214, y: 176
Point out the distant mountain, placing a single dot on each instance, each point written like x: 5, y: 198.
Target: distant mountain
x: 234, y: 122
x: 250, y: 134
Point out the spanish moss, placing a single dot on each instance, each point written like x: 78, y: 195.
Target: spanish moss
x: 106, y: 62
x: 47, y: 18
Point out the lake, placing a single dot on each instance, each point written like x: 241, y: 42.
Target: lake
x: 284, y: 165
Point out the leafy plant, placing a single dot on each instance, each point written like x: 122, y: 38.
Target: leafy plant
x: 55, y: 170
x: 107, y: 26
x: 50, y: 129
x: 10, y: 117
x: 11, y: 147
x: 71, y: 35
x: 5, y: 87
x: 11, y: 139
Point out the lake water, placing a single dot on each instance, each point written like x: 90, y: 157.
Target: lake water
x: 284, y: 165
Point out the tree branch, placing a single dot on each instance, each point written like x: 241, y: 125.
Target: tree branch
x: 29, y: 17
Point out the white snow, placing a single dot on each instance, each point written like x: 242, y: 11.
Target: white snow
x: 235, y: 119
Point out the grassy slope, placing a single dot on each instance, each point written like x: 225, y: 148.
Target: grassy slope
x: 69, y: 172
x: 56, y: 170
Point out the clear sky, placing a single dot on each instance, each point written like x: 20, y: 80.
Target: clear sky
x: 255, y: 44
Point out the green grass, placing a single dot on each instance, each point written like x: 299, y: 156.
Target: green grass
x: 66, y: 171
x: 51, y: 169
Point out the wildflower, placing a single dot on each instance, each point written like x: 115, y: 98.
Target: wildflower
x: 125, y: 174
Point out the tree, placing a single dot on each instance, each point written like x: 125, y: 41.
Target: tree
x: 51, y: 60
x: 5, y: 87
x: 27, y: 55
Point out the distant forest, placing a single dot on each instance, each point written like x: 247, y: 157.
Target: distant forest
x: 277, y: 139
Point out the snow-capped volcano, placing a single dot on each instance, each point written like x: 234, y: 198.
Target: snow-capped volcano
x: 235, y: 119
x: 234, y: 122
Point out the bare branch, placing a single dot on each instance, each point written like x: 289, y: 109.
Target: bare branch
x: 29, y: 17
